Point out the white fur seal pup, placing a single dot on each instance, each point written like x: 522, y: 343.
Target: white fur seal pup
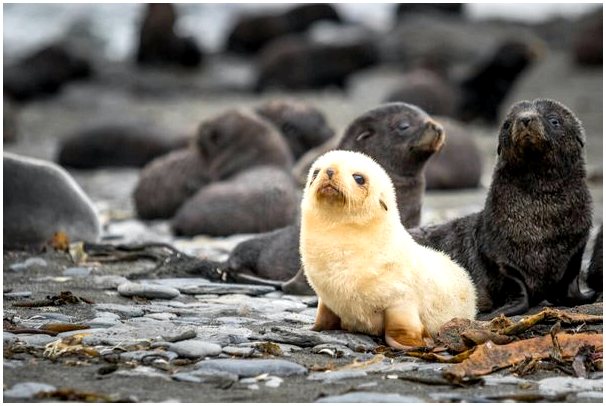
x: 369, y: 274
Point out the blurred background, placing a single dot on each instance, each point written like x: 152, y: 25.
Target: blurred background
x: 72, y: 67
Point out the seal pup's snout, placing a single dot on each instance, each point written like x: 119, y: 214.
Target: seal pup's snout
x: 528, y: 128
x: 329, y: 185
x: 433, y: 136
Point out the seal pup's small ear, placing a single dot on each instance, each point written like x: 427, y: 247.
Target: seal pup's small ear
x: 499, y: 149
x: 382, y: 203
x: 364, y: 134
x: 581, y: 141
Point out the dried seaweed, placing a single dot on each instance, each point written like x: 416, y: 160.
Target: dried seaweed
x: 490, y: 357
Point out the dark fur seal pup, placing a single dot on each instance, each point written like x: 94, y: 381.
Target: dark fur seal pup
x: 427, y: 90
x: 251, y: 33
x: 458, y: 165
x: 587, y: 46
x: 44, y: 73
x: 125, y: 144
x: 485, y: 89
x: 527, y: 243
x: 158, y: 42
x: 302, y: 125
x: 292, y: 63
x: 40, y: 199
x: 253, y: 201
x: 410, y: 136
x: 225, y: 145
x: 9, y: 123
x: 453, y: 9
x: 166, y: 182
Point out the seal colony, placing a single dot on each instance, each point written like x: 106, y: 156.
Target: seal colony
x: 401, y: 138
x: 368, y: 272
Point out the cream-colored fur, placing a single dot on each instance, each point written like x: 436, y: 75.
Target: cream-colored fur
x: 361, y: 261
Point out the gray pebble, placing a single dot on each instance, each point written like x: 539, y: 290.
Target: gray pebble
x: 274, y: 382
x: 496, y: 380
x: 9, y: 338
x: 148, y: 291
x: 139, y: 355
x: 36, y: 340
x: 17, y: 295
x: 161, y: 316
x: 26, y: 390
x: 333, y: 376
x: 562, y: 384
x: 239, y: 351
x: 17, y: 267
x: 50, y: 317
x: 176, y: 283
x: 127, y: 311
x: 370, y: 397
x: 235, y: 320
x: 148, y: 372
x: 77, y: 272
x: 102, y: 322
x: 35, y: 262
x: 108, y: 281
x: 185, y: 335
x: 226, y: 289
x: 593, y: 395
x: 201, y: 376
x: 195, y: 348
x: 253, y: 367
x: 333, y: 350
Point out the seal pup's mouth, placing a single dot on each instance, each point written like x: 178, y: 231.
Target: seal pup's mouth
x: 432, y: 138
x: 327, y: 190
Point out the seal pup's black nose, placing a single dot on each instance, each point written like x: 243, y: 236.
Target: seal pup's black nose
x: 525, y: 120
x: 330, y: 172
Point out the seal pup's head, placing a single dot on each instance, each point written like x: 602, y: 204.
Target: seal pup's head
x: 399, y: 135
x: 350, y: 187
x: 539, y: 132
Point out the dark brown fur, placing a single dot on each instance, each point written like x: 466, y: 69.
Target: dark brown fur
x: 166, y: 182
x: 297, y: 63
x: 254, y: 201
x: 527, y: 243
x: 158, y: 42
x: 381, y: 134
x: 302, y: 125
x: 252, y: 32
x: 126, y: 144
x: 458, y: 165
x: 225, y: 145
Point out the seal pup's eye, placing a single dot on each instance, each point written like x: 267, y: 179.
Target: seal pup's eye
x: 403, y: 126
x: 359, y: 179
x: 314, y: 175
x: 506, y: 125
x: 554, y: 122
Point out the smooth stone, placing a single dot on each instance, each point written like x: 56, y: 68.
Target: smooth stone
x: 274, y: 382
x: 176, y: 283
x: 26, y: 390
x: 246, y: 305
x: 333, y: 350
x: 139, y: 355
x: 333, y: 376
x: 102, y: 322
x: 108, y: 281
x: 88, y: 331
x: 184, y: 335
x: 17, y: 267
x: 17, y: 295
x: 148, y: 372
x: 235, y: 320
x: 127, y: 311
x: 559, y: 385
x: 590, y: 395
x: 148, y: 291
x: 291, y: 317
x: 254, y: 367
x: 495, y: 380
x: 9, y: 338
x: 36, y: 340
x: 195, y: 348
x: 202, y: 376
x: 77, y: 272
x: 52, y: 317
x: 239, y: 351
x: 274, y: 295
x: 369, y: 397
x: 35, y: 261
x: 161, y: 316
x: 226, y: 289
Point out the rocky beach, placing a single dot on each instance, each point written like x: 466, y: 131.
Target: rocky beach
x: 135, y: 317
